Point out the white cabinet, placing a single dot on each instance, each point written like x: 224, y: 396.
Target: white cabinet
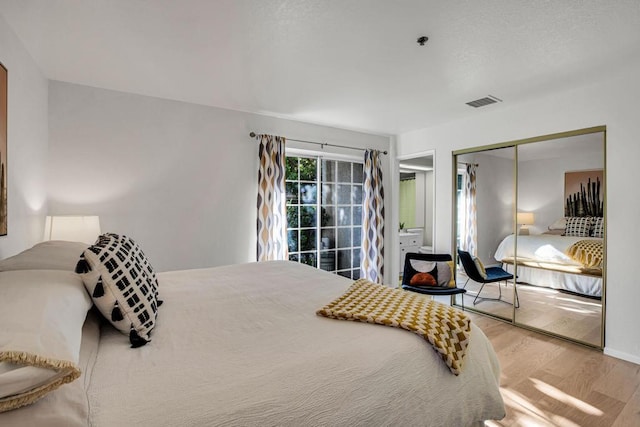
x: 409, y: 242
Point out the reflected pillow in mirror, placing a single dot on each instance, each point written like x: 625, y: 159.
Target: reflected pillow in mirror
x: 560, y: 224
x: 480, y: 267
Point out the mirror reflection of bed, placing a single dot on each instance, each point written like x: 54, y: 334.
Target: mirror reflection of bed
x: 558, y: 252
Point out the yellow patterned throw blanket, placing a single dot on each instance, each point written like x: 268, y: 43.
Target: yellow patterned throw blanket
x: 447, y: 329
x: 587, y: 252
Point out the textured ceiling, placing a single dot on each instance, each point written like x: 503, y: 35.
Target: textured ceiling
x: 347, y: 63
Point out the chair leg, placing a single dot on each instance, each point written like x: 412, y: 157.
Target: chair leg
x: 465, y: 283
x: 478, y: 297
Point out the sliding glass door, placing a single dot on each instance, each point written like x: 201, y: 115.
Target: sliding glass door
x: 324, y: 213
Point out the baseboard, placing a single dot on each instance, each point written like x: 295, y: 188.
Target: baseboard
x: 622, y: 355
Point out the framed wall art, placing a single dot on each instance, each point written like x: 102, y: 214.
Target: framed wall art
x: 584, y: 193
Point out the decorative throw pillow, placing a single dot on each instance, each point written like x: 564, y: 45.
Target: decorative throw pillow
x: 122, y: 284
x: 445, y: 269
x: 480, y: 267
x: 445, y: 274
x: 424, y: 279
x: 598, y: 228
x: 579, y: 226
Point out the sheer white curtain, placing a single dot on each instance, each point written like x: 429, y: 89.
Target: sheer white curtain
x: 272, y: 196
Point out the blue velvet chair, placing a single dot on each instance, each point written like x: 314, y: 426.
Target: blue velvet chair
x: 494, y: 274
x: 409, y: 272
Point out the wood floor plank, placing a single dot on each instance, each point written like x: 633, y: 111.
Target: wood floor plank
x: 546, y: 381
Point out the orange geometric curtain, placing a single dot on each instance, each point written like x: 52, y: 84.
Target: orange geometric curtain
x: 272, y: 214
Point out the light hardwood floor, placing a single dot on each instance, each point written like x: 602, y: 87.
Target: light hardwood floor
x: 546, y: 381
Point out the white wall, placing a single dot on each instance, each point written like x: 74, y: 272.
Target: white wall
x: 495, y: 202
x: 179, y: 178
x: 611, y: 101
x: 26, y: 145
x: 541, y: 185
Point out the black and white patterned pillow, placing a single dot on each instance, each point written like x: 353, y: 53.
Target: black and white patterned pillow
x: 598, y: 228
x: 122, y: 284
x: 579, y: 226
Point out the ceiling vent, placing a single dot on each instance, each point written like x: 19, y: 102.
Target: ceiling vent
x: 488, y: 100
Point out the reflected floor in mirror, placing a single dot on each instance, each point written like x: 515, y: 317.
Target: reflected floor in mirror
x: 565, y: 314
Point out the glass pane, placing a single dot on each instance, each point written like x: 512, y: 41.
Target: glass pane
x: 292, y: 217
x: 357, y: 236
x: 344, y: 260
x: 356, y: 195
x: 307, y: 216
x: 292, y: 239
x: 328, y: 194
x: 355, y: 274
x: 346, y: 274
x: 344, y: 194
x: 292, y: 168
x: 344, y: 172
x: 357, y: 215
x: 294, y: 257
x: 308, y: 193
x: 328, y: 216
x: 328, y: 238
x: 307, y: 240
x: 328, y: 260
x: 308, y: 258
x: 356, y: 258
x: 292, y: 193
x: 344, y: 237
x: 328, y: 171
x: 358, y: 173
x: 307, y: 169
x: 344, y: 215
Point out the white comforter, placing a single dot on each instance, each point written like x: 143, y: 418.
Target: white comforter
x: 241, y: 346
x: 546, y: 248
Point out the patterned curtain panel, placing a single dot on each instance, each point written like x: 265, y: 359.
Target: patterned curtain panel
x: 469, y: 230
x: 272, y: 214
x: 372, y: 252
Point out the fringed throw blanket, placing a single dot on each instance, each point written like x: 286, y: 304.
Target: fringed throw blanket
x: 587, y: 252
x: 446, y: 328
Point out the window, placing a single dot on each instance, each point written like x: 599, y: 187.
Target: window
x: 324, y: 213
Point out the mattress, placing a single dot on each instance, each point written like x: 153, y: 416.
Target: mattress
x: 241, y: 345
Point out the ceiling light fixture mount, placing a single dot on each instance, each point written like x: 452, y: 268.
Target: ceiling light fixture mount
x: 422, y: 40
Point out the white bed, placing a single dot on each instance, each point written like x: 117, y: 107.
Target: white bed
x: 242, y: 345
x: 543, y: 260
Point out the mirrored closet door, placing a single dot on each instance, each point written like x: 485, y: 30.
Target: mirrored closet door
x: 547, y: 229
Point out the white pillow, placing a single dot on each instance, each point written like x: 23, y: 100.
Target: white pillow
x: 50, y: 255
x: 41, y: 313
x: 560, y: 224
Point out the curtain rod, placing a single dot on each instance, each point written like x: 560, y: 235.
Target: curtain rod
x: 322, y: 144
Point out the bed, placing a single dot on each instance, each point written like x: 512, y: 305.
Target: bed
x: 555, y: 261
x: 242, y: 345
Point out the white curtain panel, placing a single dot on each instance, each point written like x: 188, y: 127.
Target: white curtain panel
x: 272, y: 214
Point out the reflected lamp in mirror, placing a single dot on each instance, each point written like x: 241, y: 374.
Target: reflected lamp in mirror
x: 524, y: 219
x: 72, y: 228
